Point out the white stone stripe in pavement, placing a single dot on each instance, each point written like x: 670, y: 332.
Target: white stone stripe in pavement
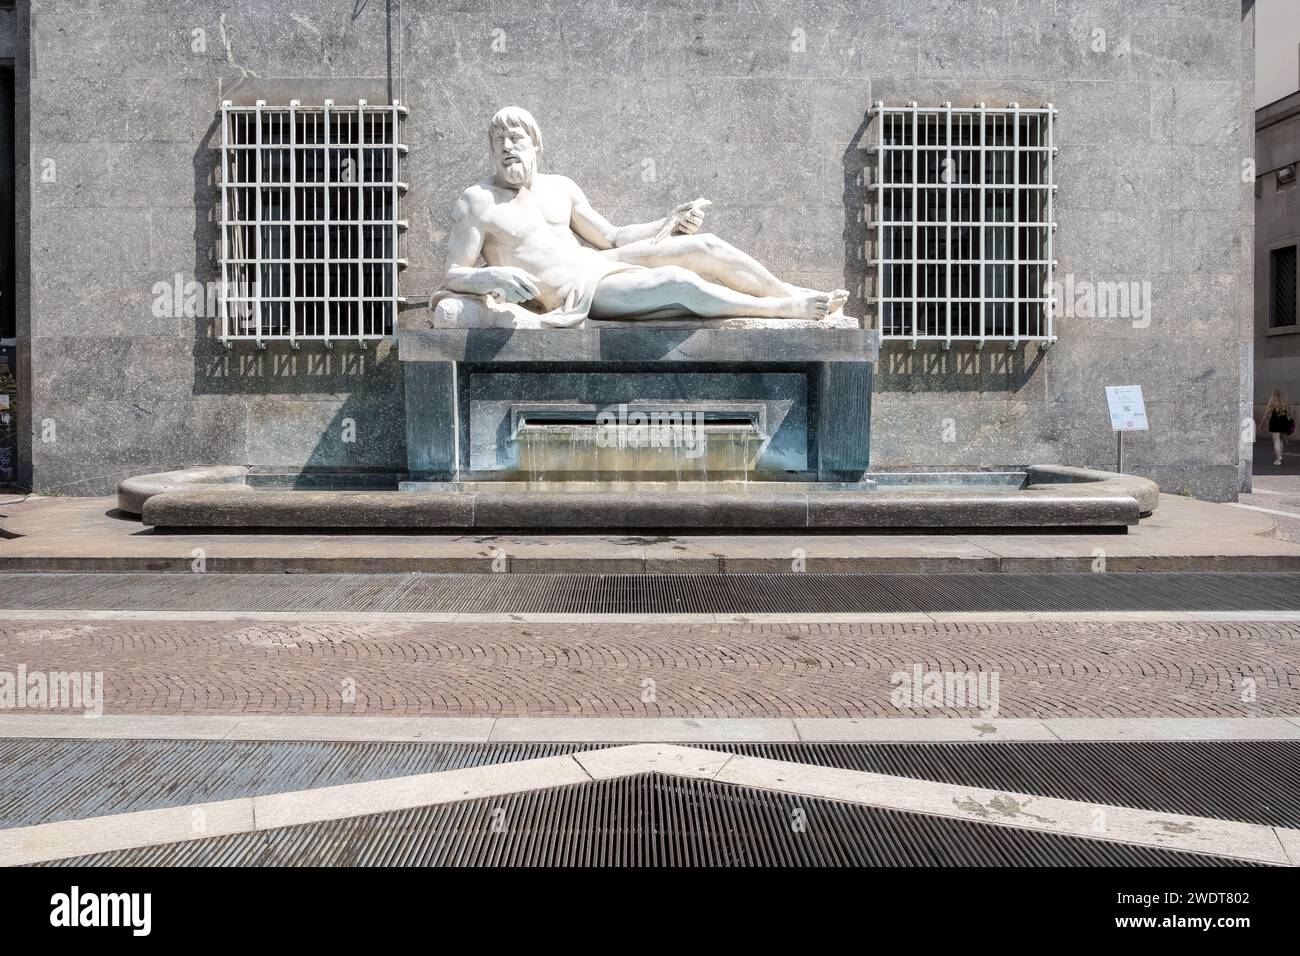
x: 435, y: 617
x: 1267, y: 511
x: 50, y: 841
x: 618, y: 730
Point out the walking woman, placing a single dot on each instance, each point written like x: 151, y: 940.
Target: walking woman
x: 1278, y: 420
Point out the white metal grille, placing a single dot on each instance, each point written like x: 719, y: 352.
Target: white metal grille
x: 310, y: 222
x: 963, y: 223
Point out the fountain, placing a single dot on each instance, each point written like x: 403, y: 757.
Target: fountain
x: 575, y: 375
x: 637, y: 403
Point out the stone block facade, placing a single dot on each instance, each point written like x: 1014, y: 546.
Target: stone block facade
x: 762, y: 106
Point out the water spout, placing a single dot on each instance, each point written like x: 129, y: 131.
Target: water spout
x: 628, y: 446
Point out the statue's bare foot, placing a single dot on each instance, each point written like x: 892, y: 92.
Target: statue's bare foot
x: 837, y: 300
x: 809, y: 305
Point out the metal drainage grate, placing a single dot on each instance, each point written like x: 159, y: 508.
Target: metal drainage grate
x: 49, y: 779
x: 657, y: 593
x: 648, y: 820
x: 1250, y: 781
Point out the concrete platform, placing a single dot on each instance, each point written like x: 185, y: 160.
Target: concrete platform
x: 89, y: 534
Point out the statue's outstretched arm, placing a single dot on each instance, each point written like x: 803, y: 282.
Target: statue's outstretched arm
x: 591, y: 225
x: 601, y: 233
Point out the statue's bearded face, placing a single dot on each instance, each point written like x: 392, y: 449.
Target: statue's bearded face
x: 515, y: 155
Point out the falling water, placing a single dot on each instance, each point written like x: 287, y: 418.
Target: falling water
x: 682, y: 454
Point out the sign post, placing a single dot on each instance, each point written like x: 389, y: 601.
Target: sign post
x: 1128, y: 413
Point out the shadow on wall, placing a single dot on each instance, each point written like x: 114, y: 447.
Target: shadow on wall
x: 313, y: 408
x: 854, y: 161
x: 931, y: 368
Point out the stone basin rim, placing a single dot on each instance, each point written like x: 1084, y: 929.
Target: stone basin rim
x: 1056, y: 496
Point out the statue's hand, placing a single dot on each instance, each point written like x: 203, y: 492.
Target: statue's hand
x: 513, y: 284
x: 688, y: 216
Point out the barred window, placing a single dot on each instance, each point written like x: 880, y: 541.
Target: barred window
x: 1282, y: 287
x: 963, y: 223
x: 310, y: 222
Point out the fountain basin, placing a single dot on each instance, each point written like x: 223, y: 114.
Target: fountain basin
x: 1039, y: 498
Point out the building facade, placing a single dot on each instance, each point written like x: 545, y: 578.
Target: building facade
x: 765, y: 107
x: 1277, y: 224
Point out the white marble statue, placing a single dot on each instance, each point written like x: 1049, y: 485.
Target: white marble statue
x: 532, y: 238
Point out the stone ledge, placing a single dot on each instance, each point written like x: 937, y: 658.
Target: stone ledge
x: 639, y: 343
x: 1065, y: 506
x: 1143, y: 490
x: 132, y: 493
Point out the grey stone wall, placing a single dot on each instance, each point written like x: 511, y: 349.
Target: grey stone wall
x: 759, y: 105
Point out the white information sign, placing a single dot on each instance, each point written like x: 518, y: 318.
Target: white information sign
x: 1128, y: 413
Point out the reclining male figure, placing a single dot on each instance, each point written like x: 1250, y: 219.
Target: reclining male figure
x: 525, y: 226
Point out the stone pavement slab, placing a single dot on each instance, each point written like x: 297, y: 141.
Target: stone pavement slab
x: 684, y: 671
x: 643, y: 729
x: 21, y: 846
x: 459, y: 730
x: 867, y: 729
x: 1186, y: 728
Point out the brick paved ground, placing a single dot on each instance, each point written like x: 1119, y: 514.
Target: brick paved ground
x: 800, y: 670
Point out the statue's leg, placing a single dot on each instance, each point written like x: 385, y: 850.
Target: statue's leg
x: 635, y: 293
x: 716, y: 260
x: 707, y: 255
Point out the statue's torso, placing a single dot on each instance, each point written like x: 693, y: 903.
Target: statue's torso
x: 530, y: 229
